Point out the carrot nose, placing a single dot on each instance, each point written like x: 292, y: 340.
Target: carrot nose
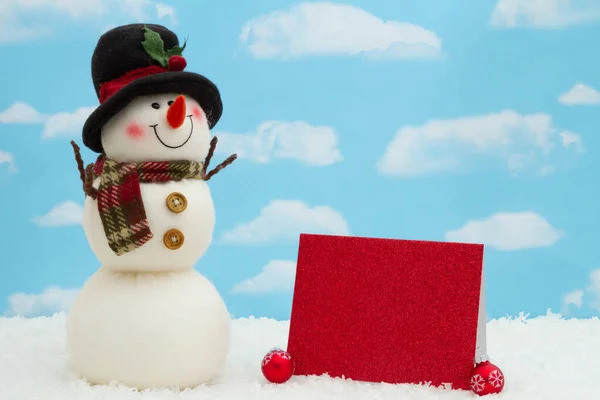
x: 176, y: 112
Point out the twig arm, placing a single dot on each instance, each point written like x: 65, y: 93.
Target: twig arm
x: 219, y: 167
x: 86, y: 175
x: 211, y: 152
x: 79, y: 160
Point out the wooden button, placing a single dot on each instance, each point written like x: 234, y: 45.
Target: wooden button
x: 176, y: 202
x: 173, y: 239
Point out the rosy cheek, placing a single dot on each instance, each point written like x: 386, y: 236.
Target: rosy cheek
x: 197, y: 112
x: 135, y: 131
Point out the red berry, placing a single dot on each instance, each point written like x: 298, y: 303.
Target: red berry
x: 177, y: 63
x: 487, y: 379
x: 277, y: 366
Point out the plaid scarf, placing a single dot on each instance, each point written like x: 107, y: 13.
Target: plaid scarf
x: 120, y: 199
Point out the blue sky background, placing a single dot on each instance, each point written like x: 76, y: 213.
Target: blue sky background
x: 512, y: 86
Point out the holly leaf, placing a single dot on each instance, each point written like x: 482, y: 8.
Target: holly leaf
x: 176, y: 50
x: 154, y: 46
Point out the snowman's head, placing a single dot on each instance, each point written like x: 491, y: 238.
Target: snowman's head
x: 161, y: 127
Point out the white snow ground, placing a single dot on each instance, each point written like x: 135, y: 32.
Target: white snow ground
x: 543, y: 358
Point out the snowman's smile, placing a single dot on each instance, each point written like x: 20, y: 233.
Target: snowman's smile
x: 170, y: 146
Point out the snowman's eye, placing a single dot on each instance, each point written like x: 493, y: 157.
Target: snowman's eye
x: 156, y: 106
x: 170, y: 102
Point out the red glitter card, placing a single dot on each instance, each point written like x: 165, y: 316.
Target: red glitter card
x: 386, y: 310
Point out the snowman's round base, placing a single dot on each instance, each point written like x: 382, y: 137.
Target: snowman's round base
x: 151, y: 330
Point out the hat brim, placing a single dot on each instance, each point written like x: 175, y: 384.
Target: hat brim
x: 190, y: 84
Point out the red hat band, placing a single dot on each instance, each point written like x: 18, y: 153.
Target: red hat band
x: 109, y: 88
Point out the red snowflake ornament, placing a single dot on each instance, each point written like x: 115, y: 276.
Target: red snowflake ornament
x: 277, y: 366
x: 487, y: 379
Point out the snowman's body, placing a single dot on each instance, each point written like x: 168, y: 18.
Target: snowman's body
x: 147, y: 318
x: 196, y: 224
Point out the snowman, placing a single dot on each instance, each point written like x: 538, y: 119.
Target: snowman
x: 147, y: 318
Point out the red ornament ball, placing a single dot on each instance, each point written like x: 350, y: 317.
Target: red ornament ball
x: 277, y: 366
x: 487, y: 379
x: 177, y: 63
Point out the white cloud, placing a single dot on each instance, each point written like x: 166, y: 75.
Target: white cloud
x: 570, y: 139
x: 74, y: 9
x: 164, y: 11
x: 298, y: 140
x: 22, y: 20
x: 64, y: 214
x: 591, y: 292
x: 580, y: 94
x: 61, y: 124
x: 276, y: 276
x: 65, y: 124
x: 446, y: 145
x: 139, y: 10
x: 574, y: 298
x: 9, y: 159
x: 545, y: 14
x: 54, y: 299
x: 594, y: 289
x: 12, y: 26
x: 144, y: 10
x: 320, y: 28
x: 284, y: 220
x: 21, y: 113
x: 508, y: 231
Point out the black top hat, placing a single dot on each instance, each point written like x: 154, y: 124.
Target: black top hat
x: 139, y: 59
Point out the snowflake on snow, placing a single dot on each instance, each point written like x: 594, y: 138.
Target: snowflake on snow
x: 496, y: 378
x: 477, y: 383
